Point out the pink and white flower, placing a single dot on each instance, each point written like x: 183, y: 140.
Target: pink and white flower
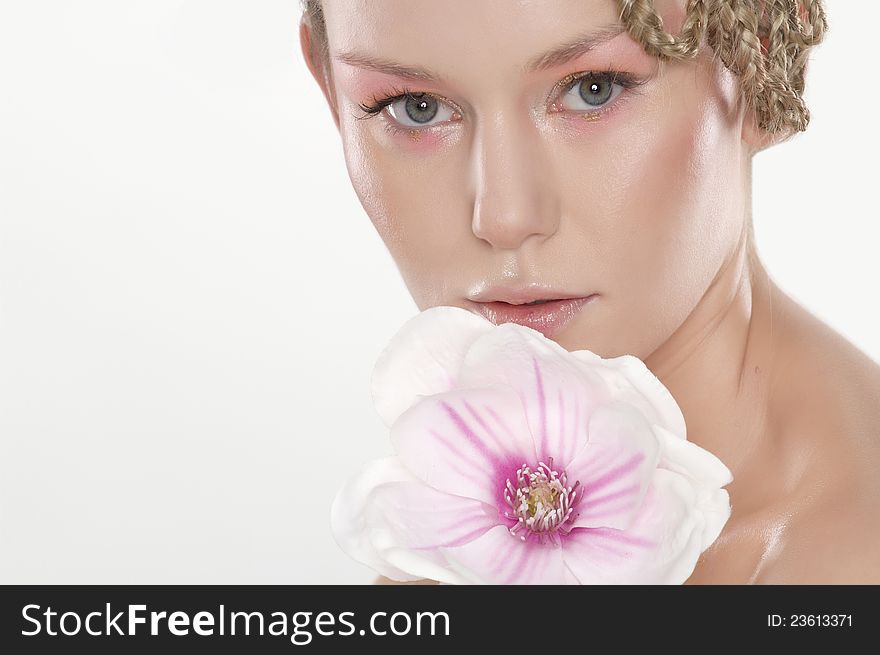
x: 518, y: 462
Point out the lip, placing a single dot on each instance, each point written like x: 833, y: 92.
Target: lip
x: 547, y: 318
x: 520, y: 293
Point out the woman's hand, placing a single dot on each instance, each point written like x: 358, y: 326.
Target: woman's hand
x: 383, y: 580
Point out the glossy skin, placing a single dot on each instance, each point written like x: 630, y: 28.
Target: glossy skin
x: 649, y: 205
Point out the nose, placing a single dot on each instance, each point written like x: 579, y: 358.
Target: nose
x: 515, y: 193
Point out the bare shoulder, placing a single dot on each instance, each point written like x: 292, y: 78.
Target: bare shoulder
x: 830, y: 527
x: 824, y: 372
x: 835, y: 544
x: 386, y: 581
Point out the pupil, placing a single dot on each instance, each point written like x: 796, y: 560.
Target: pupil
x: 421, y: 108
x: 595, y: 92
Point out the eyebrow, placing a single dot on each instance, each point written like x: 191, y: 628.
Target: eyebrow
x: 575, y: 48
x: 557, y: 56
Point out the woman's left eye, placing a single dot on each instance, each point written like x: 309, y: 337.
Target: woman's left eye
x: 591, y: 92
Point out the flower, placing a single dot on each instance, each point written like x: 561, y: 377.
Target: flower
x: 519, y: 462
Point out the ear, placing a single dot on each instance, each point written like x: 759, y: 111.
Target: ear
x: 758, y: 139
x: 317, y: 69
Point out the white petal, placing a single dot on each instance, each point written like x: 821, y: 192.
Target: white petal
x: 348, y: 523
x: 423, y: 358
x: 558, y: 392
x: 688, y: 458
x: 466, y: 442
x: 632, y: 381
x: 614, y: 469
x: 716, y: 509
x: 498, y: 557
x: 419, y: 564
x: 661, y: 547
x: 707, y: 474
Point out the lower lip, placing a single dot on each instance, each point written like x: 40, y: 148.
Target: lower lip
x: 547, y: 318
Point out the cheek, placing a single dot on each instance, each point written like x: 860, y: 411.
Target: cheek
x: 406, y: 196
x: 659, y: 207
x: 373, y: 188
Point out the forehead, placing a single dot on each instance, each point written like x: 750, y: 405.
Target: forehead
x: 457, y: 37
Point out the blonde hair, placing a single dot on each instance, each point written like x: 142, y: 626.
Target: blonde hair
x: 766, y: 43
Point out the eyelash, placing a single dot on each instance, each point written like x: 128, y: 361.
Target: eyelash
x: 627, y: 81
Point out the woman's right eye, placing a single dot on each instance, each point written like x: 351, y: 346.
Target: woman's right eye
x: 415, y: 110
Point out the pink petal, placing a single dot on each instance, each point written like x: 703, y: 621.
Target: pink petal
x: 558, y: 392
x: 423, y: 358
x: 615, y: 468
x: 661, y: 547
x: 423, y: 518
x: 569, y: 577
x: 408, y: 520
x: 466, y: 442
x: 498, y: 557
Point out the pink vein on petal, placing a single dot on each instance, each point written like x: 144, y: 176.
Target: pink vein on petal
x: 500, y: 422
x: 619, y: 536
x: 604, y: 548
x: 461, y: 540
x: 614, y: 474
x: 542, y: 407
x: 593, y: 501
x: 528, y: 567
x: 513, y: 567
x: 466, y: 430
x: 446, y: 442
x: 498, y: 442
x: 454, y: 448
x: 562, y: 415
x: 612, y: 510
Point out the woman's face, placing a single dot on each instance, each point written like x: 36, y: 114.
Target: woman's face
x: 509, y: 172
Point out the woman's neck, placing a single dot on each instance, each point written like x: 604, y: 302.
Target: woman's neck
x: 720, y: 363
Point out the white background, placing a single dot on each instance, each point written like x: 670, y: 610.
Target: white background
x: 192, y: 298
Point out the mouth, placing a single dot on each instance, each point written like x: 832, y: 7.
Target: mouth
x: 534, y: 302
x: 548, y: 316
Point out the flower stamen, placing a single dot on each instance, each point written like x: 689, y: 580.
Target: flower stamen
x: 541, y: 502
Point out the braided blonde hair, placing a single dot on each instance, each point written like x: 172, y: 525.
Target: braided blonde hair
x: 766, y: 43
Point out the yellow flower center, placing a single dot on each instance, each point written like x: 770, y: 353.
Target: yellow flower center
x: 541, y: 502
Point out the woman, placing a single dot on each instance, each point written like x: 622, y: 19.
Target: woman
x: 515, y: 152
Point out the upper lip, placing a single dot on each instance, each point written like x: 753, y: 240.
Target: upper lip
x: 522, y: 294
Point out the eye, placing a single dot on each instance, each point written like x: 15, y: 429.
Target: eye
x: 593, y: 91
x: 419, y: 110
